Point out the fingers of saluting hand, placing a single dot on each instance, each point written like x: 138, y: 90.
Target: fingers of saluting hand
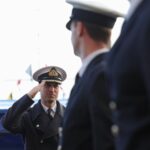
x: 35, y: 90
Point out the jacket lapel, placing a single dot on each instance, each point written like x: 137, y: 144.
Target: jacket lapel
x: 52, y: 125
x: 78, y: 84
x: 45, y: 127
x: 40, y: 118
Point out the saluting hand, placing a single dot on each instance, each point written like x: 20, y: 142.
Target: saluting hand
x: 35, y: 90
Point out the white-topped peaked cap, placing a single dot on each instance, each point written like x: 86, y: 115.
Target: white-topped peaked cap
x: 100, y: 12
x: 50, y: 74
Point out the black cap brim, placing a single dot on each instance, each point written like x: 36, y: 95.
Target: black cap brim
x: 91, y: 17
x: 68, y: 25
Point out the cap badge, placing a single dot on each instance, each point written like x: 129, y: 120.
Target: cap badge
x: 53, y: 73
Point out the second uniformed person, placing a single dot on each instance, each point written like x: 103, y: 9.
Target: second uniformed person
x: 87, y: 120
x: 38, y: 126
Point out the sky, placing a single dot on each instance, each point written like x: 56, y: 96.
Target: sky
x: 32, y: 32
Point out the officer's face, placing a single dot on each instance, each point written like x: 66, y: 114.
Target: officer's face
x: 75, y: 37
x: 49, y: 92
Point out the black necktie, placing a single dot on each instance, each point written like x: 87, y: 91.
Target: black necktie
x: 49, y: 112
x: 77, y: 78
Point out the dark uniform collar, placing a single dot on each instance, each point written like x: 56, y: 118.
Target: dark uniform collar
x: 38, y: 109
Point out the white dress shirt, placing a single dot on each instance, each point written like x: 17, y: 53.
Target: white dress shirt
x: 88, y: 59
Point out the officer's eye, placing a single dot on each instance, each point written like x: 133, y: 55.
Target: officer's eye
x: 49, y: 84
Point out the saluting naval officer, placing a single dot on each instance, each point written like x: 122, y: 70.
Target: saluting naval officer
x: 38, y: 125
x: 87, y: 118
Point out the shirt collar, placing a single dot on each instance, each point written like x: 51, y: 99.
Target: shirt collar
x: 46, y: 108
x: 89, y: 58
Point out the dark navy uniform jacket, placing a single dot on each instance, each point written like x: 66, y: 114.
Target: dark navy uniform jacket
x: 87, y: 118
x: 129, y: 81
x: 39, y: 132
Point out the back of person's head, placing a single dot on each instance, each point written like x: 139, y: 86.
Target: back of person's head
x: 98, y: 33
x: 98, y: 16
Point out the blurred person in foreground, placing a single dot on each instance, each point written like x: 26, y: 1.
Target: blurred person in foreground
x: 38, y: 124
x: 128, y: 73
x: 87, y: 118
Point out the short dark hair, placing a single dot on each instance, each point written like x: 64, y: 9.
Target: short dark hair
x: 98, y: 33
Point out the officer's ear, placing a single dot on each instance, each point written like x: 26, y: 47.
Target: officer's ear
x: 80, y: 28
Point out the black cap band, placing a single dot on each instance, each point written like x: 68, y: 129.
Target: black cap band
x: 91, y: 17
